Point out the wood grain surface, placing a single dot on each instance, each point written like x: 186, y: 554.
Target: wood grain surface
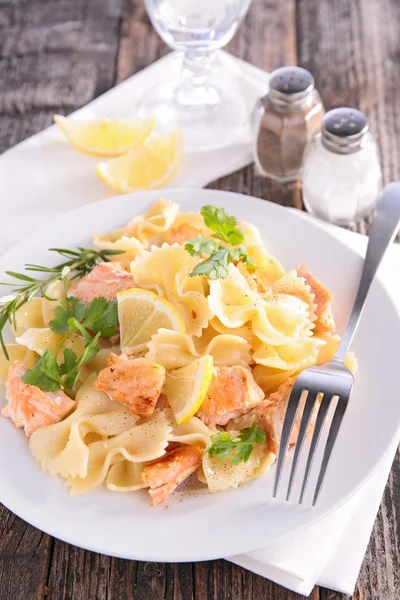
x: 55, y: 56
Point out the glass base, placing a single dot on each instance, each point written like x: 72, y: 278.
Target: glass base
x: 206, y: 125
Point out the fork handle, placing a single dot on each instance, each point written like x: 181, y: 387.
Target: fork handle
x: 384, y: 227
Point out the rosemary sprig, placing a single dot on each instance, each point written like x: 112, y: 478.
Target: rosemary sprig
x: 78, y: 263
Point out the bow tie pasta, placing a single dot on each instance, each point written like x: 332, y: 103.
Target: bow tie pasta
x: 202, y: 393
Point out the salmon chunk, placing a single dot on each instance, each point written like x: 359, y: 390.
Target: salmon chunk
x: 270, y: 415
x: 323, y: 300
x: 105, y: 280
x: 165, y: 474
x: 29, y: 406
x: 182, y: 233
x: 232, y: 392
x: 135, y: 382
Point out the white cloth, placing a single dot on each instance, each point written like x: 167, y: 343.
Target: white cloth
x: 43, y: 176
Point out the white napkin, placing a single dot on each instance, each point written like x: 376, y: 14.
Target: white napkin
x: 43, y: 176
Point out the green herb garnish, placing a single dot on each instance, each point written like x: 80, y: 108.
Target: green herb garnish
x: 92, y: 321
x: 225, y: 228
x: 99, y: 316
x: 238, y: 449
x: 78, y: 263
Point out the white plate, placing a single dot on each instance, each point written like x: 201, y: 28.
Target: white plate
x: 212, y: 526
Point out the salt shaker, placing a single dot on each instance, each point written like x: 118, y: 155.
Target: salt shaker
x: 341, y: 172
x: 284, y: 121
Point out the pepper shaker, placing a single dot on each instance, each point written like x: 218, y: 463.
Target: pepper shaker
x: 284, y: 121
x: 342, y: 176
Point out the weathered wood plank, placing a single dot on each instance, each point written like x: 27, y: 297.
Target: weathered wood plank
x: 54, y: 56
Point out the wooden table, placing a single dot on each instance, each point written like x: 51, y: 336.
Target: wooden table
x: 55, y: 56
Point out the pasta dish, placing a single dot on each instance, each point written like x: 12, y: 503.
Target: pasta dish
x: 169, y: 350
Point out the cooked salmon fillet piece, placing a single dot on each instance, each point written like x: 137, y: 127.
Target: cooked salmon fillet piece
x: 323, y: 300
x: 165, y: 474
x: 182, y: 233
x: 29, y: 406
x: 135, y: 382
x: 270, y: 415
x: 232, y: 392
x: 105, y: 280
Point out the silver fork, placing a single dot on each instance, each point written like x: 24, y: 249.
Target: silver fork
x: 333, y: 379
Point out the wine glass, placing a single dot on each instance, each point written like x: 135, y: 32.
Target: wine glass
x: 208, y: 113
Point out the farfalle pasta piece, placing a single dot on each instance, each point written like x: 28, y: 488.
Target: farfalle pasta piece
x: 289, y: 357
x: 278, y: 319
x: 245, y: 332
x: 125, y: 476
x: 63, y: 448
x: 138, y: 444
x: 39, y: 340
x: 174, y: 350
x: 328, y: 350
x: 193, y: 433
x: 15, y: 352
x: 129, y: 248
x: 165, y: 271
x: 147, y: 228
x: 29, y: 315
x: 185, y: 226
x: 293, y: 285
x: 55, y: 293
x: 98, y: 363
x: 220, y: 475
x: 268, y: 268
x: 269, y: 379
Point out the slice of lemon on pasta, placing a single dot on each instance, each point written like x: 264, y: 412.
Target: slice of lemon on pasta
x: 187, y: 387
x: 141, y: 314
x: 106, y: 137
x: 148, y: 167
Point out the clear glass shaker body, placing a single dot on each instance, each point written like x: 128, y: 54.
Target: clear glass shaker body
x: 284, y: 121
x: 341, y: 188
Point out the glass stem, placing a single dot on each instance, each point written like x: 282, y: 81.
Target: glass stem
x: 195, y: 90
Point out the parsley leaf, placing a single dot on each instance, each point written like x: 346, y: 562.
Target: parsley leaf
x: 225, y: 228
x: 69, y: 308
x: 200, y: 245
x: 99, y: 316
x: 224, y: 225
x: 216, y: 265
x: 238, y: 449
x: 70, y: 360
x: 45, y: 374
x: 91, y: 349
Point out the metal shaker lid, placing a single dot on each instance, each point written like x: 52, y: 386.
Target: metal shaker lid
x: 290, y: 84
x: 343, y: 130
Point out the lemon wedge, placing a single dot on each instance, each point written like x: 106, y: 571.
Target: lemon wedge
x: 186, y: 388
x: 141, y: 314
x: 107, y: 137
x: 147, y: 167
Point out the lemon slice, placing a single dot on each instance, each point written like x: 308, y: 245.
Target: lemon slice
x: 141, y: 314
x: 108, y: 137
x: 186, y: 387
x: 147, y: 167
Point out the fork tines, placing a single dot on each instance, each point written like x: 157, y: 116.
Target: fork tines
x: 316, y: 405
